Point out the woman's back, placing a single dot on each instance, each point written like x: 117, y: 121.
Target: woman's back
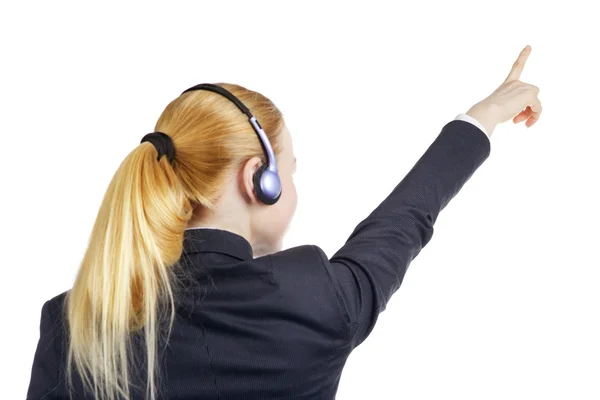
x: 264, y: 328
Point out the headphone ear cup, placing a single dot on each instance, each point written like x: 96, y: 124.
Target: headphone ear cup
x: 257, y: 178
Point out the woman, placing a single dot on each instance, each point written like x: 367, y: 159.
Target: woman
x: 184, y: 291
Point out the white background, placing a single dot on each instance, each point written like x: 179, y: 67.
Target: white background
x: 501, y: 304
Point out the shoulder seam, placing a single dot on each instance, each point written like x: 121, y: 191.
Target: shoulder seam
x: 48, y: 309
x: 338, y: 299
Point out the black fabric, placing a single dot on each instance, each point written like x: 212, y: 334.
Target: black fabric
x: 163, y: 144
x: 282, y: 326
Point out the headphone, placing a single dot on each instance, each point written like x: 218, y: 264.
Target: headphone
x: 267, y: 183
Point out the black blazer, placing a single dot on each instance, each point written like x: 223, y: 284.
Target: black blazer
x: 281, y: 326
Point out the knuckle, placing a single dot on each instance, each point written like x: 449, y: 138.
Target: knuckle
x: 532, y: 94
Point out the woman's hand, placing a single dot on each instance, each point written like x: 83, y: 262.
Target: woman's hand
x: 513, y: 99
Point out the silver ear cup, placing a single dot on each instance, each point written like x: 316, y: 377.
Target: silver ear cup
x: 267, y: 185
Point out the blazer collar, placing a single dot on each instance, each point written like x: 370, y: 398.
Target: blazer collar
x: 213, y: 240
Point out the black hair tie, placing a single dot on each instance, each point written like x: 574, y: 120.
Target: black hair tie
x: 163, y: 143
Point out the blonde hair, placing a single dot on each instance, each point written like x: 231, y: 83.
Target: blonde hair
x: 125, y: 282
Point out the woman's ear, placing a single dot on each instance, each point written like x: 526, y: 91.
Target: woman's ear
x: 247, y: 174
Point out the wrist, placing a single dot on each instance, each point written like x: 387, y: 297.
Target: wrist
x: 486, y: 114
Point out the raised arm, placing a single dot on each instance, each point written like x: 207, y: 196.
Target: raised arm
x: 371, y: 265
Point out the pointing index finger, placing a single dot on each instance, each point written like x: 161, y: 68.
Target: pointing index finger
x: 517, y: 68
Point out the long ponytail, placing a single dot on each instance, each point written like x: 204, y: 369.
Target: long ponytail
x: 124, y: 275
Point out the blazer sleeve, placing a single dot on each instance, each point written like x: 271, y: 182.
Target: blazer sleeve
x: 372, y: 263
x: 44, y: 372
